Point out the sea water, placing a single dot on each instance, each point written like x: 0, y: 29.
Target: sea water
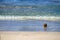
x: 29, y: 25
x: 47, y: 8
x: 30, y: 7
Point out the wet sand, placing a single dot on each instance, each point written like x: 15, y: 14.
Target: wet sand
x: 29, y: 35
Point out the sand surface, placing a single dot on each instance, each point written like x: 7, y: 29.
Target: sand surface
x: 29, y: 35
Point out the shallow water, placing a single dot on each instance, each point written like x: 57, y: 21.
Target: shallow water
x: 29, y: 25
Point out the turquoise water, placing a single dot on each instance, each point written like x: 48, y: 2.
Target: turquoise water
x: 30, y: 7
x: 33, y: 11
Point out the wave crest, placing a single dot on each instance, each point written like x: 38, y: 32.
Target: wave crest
x: 53, y: 18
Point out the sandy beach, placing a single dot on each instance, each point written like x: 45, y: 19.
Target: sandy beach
x: 29, y: 35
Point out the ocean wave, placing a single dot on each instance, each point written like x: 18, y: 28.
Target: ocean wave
x: 53, y: 18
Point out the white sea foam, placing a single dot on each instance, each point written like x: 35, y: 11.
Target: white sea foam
x: 53, y: 18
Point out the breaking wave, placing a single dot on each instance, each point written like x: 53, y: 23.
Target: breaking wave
x: 52, y: 18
